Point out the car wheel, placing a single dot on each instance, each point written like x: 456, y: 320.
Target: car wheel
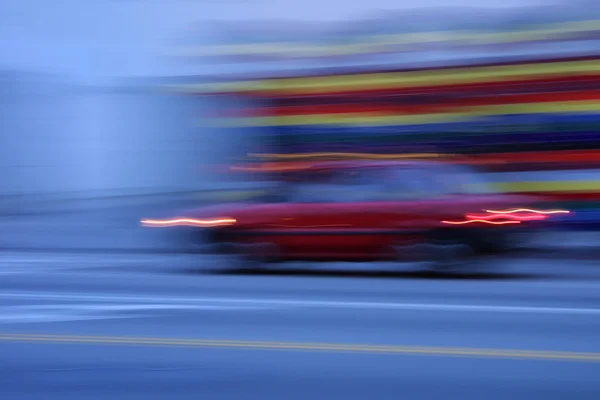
x: 499, y: 244
x: 246, y: 263
x: 253, y: 257
x: 449, y: 251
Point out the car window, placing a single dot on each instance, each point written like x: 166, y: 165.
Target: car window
x: 410, y: 184
x: 422, y: 182
x: 341, y: 187
x: 454, y: 179
x: 407, y: 183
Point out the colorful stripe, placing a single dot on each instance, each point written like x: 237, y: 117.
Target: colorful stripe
x: 424, y: 106
x: 383, y: 80
x: 586, y: 161
x: 485, y: 109
x: 550, y: 187
x: 376, y: 118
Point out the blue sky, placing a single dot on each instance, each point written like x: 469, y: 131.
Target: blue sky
x: 94, y: 39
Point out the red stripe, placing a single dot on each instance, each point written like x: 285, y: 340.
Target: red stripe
x: 533, y: 84
x: 441, y: 107
x: 566, y: 196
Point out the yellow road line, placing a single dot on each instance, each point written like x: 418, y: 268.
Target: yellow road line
x: 329, y: 347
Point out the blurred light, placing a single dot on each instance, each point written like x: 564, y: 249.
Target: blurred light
x: 534, y: 217
x: 483, y: 221
x: 188, y: 222
x: 517, y: 210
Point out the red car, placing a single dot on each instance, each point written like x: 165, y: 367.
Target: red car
x: 439, y: 213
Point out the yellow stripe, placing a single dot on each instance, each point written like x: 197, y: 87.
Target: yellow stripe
x: 416, y: 78
x: 513, y: 187
x: 557, y: 186
x: 400, y: 79
x: 541, y: 186
x: 328, y: 347
x: 375, y: 119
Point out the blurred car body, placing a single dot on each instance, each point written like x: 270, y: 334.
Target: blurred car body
x: 438, y: 213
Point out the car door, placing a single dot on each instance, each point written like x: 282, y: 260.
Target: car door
x: 354, y: 219
x: 403, y: 214
x: 330, y: 218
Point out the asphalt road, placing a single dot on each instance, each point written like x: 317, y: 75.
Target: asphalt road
x: 157, y: 327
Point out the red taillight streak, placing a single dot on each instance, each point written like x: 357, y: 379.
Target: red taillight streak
x: 508, y: 216
x: 483, y: 221
x: 534, y: 217
x: 188, y: 222
x: 517, y: 210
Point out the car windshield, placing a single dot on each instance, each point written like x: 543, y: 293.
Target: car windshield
x: 406, y: 183
x: 454, y: 179
x: 339, y: 187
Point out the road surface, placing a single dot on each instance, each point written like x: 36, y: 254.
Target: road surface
x: 168, y: 327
